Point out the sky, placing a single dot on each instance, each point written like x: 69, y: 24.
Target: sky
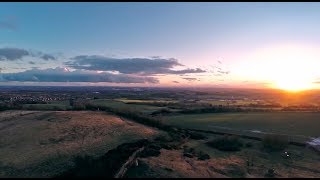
x: 253, y: 44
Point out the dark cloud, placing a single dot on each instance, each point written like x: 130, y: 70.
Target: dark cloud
x: 31, y: 62
x: 64, y: 75
x: 142, y: 66
x: 48, y: 57
x: 186, y: 71
x: 190, y: 79
x: 13, y: 54
x: 175, y: 81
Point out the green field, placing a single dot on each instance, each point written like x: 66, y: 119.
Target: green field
x: 119, y: 105
x: 143, y: 101
x: 225, y: 103
x: 65, y: 102
x: 46, y: 107
x: 291, y: 123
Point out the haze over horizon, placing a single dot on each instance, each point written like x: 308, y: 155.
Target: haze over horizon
x: 252, y: 45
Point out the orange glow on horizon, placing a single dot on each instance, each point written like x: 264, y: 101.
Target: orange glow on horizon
x: 288, y: 67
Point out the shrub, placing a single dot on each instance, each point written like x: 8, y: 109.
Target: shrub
x: 189, y: 155
x: 248, y: 144
x: 163, y: 138
x: 150, y: 151
x: 226, y: 143
x: 270, y: 173
x: 196, y: 136
x: 275, y: 142
x: 203, y: 156
x: 189, y: 150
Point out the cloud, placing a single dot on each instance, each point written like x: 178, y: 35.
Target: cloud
x: 48, y: 57
x: 223, y: 72
x: 190, y: 79
x: 175, y: 81
x: 64, y: 75
x: 13, y: 54
x: 186, y: 71
x: 142, y: 66
x: 217, y: 69
x: 7, y: 25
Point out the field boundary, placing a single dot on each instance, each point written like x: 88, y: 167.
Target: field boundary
x: 292, y: 142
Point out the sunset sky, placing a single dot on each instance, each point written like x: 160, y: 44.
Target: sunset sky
x: 258, y: 44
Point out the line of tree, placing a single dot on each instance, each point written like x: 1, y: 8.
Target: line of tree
x: 133, y: 115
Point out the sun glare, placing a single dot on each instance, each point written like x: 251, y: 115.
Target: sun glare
x: 292, y: 85
x: 287, y: 67
x: 294, y: 69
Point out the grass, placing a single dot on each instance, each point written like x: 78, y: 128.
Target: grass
x: 262, y: 160
x: 203, y: 145
x: 224, y: 103
x: 66, y: 102
x: 291, y: 123
x: 275, y: 142
x: 53, y: 105
x: 226, y: 143
x: 231, y: 102
x: 31, y: 139
x: 46, y: 107
x: 118, y: 104
x: 143, y: 101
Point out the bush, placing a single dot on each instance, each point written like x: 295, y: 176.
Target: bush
x: 275, y: 142
x: 249, y: 145
x: 226, y: 143
x: 203, y: 156
x: 189, y: 150
x: 150, y: 151
x: 270, y: 173
x: 196, y: 136
x: 189, y: 155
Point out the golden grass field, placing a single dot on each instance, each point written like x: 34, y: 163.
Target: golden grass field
x: 42, y: 143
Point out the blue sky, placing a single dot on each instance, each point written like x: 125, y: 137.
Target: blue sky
x: 196, y: 34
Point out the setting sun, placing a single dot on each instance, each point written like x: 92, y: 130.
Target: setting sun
x: 288, y: 67
x: 292, y: 85
x: 294, y: 68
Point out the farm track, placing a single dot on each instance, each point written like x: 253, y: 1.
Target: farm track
x: 128, y: 163
x: 113, y: 164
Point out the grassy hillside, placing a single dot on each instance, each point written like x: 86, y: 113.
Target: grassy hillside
x: 42, y: 143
